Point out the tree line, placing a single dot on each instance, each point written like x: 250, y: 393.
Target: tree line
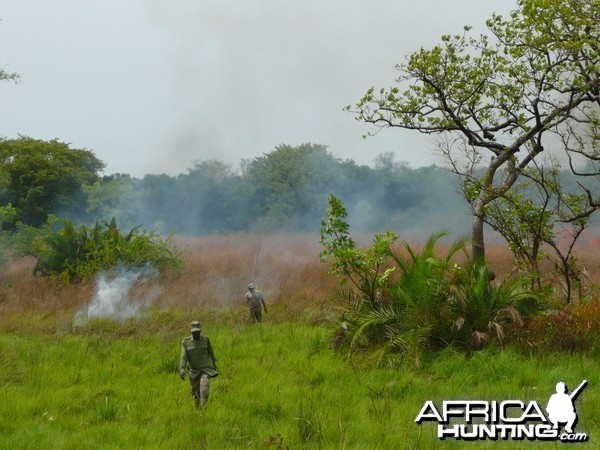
x: 283, y: 190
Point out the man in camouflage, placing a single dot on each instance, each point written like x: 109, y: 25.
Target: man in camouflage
x: 255, y: 302
x: 198, y: 361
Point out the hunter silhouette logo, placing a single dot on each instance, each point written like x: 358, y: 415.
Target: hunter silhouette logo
x: 509, y: 419
x: 561, y: 406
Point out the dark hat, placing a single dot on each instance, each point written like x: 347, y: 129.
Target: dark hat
x: 195, y: 326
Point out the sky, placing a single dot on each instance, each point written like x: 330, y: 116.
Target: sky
x: 154, y: 86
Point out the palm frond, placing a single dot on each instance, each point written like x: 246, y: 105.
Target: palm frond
x: 373, y: 318
x: 479, y: 339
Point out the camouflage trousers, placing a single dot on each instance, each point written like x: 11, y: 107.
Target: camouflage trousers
x: 255, y: 315
x: 200, y: 389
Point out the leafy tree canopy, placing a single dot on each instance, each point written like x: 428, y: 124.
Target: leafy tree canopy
x: 287, y: 180
x: 42, y: 177
x: 501, y: 97
x: 9, y: 76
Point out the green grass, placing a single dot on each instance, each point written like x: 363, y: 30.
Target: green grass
x: 117, y: 387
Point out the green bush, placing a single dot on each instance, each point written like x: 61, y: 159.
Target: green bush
x: 404, y: 305
x: 71, y: 254
x: 482, y: 312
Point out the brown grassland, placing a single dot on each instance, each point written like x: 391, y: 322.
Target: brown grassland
x: 214, y: 276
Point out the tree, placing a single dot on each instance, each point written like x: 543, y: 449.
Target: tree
x: 540, y: 213
x: 9, y: 76
x: 71, y: 254
x: 498, y: 99
x: 214, y: 199
x: 38, y: 178
x: 116, y: 195
x: 289, y: 185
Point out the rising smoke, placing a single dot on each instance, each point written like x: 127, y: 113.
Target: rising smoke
x: 121, y: 293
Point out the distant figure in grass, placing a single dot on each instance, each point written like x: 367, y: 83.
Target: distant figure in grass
x: 198, y: 361
x: 255, y: 302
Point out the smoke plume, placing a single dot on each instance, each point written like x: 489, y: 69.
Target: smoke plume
x: 121, y: 293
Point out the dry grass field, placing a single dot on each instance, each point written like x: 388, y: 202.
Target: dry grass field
x: 214, y: 276
x: 217, y: 269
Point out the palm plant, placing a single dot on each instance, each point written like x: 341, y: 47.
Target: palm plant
x: 482, y: 312
x: 72, y: 254
x: 405, y: 303
x: 409, y: 312
x: 433, y: 303
x: 422, y: 284
x: 62, y: 251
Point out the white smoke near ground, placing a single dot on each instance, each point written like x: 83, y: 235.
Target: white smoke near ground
x: 121, y: 293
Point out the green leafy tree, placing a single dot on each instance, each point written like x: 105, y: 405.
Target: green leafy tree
x: 497, y: 98
x: 9, y: 76
x: 38, y: 178
x: 289, y: 185
x: 116, y: 195
x: 365, y: 269
x: 7, y: 217
x: 209, y: 198
x: 285, y: 189
x: 214, y: 198
x: 541, y: 219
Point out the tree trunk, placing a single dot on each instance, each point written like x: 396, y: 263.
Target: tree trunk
x: 477, y: 240
x: 482, y: 200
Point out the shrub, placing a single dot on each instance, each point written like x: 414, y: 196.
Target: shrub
x: 404, y: 305
x: 71, y: 254
x: 482, y: 312
x: 573, y: 329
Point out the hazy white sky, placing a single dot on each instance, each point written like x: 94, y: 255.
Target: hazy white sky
x: 151, y: 86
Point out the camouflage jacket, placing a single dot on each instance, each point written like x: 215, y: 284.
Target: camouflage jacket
x: 198, y: 356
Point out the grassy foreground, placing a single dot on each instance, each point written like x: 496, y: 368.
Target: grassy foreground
x: 116, y: 386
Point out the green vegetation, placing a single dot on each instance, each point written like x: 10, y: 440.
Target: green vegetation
x: 9, y: 76
x: 116, y: 386
x: 285, y: 189
x: 406, y: 305
x: 38, y: 178
x: 542, y: 218
x: 415, y: 323
x: 498, y: 99
x: 72, y: 254
x: 112, y: 384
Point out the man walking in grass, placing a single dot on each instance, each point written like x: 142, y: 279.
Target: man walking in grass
x: 198, y: 361
x: 255, y: 302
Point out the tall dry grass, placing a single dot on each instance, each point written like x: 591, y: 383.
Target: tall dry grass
x: 217, y: 270
x: 215, y: 274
